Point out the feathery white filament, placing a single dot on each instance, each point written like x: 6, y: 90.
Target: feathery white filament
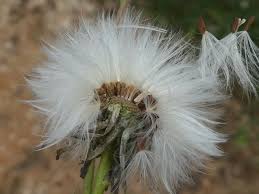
x: 156, y: 63
x: 236, y: 65
x: 235, y: 57
x: 212, y: 56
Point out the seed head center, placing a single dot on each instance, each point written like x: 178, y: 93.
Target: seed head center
x: 128, y: 96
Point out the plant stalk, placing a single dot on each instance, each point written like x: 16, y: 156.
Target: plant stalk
x: 88, y: 184
x: 101, y: 179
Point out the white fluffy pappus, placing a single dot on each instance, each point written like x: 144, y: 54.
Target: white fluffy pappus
x: 156, y: 63
x: 234, y: 57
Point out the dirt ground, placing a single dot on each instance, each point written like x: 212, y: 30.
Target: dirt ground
x: 23, y: 24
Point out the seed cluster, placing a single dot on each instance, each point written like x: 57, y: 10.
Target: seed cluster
x: 121, y: 123
x: 127, y: 94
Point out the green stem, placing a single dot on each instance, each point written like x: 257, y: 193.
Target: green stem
x: 88, y: 184
x: 101, y: 179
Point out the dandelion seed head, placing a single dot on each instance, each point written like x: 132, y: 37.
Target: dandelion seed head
x: 133, y: 85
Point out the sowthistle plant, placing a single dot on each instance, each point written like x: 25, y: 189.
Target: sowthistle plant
x: 139, y: 97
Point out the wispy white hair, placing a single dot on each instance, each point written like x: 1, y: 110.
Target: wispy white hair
x: 242, y: 59
x: 234, y: 58
x: 156, y: 63
x: 212, y: 57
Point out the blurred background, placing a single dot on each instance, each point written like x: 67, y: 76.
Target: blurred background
x: 23, y: 26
